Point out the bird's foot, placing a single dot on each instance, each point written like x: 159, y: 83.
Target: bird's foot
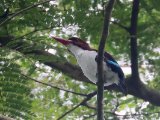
x: 104, y: 58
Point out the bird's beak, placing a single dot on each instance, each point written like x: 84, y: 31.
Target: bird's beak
x: 63, y: 41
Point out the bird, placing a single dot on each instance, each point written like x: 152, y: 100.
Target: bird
x: 87, y: 60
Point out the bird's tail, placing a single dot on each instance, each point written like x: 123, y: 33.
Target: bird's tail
x: 123, y: 87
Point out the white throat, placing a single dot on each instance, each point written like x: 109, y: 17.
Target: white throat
x: 76, y: 51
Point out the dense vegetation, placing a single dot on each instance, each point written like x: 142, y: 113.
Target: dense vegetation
x: 40, y: 79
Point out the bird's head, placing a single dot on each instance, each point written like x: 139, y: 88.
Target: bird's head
x: 73, y: 41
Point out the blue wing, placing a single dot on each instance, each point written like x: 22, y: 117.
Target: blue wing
x: 111, y: 62
x: 117, y: 69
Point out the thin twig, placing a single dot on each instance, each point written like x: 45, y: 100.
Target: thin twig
x: 33, y: 31
x: 90, y: 116
x: 55, y: 87
x: 89, y: 96
x: 120, y: 25
x: 100, y: 83
x: 89, y: 106
x: 29, y: 33
x: 23, y: 10
x: 70, y: 110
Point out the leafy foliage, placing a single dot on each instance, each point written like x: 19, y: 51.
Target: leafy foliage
x: 15, y: 89
x: 22, y: 98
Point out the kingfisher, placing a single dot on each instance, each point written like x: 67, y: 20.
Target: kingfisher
x: 87, y: 59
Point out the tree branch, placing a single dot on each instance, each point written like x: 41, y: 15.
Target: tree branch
x: 89, y: 96
x: 120, y: 25
x: 55, y: 87
x: 34, y: 31
x: 90, y: 116
x: 139, y: 90
x: 133, y: 41
x: 100, y: 82
x: 23, y: 10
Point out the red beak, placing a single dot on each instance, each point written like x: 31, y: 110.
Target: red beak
x: 63, y: 41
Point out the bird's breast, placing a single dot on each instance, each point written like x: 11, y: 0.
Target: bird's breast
x: 88, y: 64
x: 86, y: 61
